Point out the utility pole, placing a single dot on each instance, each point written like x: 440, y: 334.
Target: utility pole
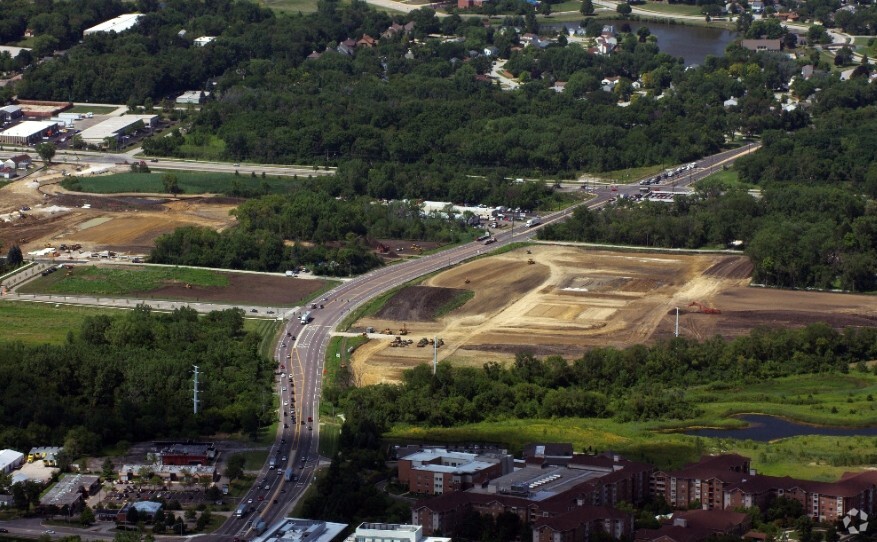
x: 195, y: 391
x: 434, y: 355
x: 677, y: 322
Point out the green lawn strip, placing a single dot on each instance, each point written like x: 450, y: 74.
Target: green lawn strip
x: 453, y: 304
x: 330, y: 431
x: 724, y: 180
x: 255, y: 459
x: 41, y: 323
x: 86, y: 108
x: 338, y: 353
x: 269, y: 330
x: 189, y: 182
x: 677, y: 9
x: 240, y: 486
x: 113, y: 281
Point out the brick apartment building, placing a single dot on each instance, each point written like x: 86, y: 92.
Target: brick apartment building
x: 436, y: 471
x: 726, y: 482
x: 559, y: 501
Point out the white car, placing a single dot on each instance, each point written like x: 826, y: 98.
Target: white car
x: 284, y: 388
x: 285, y: 403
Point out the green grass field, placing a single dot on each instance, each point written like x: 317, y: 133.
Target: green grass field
x: 676, y: 9
x: 330, y: 431
x: 836, y: 399
x: 631, y: 174
x: 96, y: 109
x: 190, y: 182
x: 116, y: 282
x: 41, y: 323
x: 725, y: 180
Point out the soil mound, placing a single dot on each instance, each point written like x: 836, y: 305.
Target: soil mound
x: 732, y: 267
x: 417, y: 303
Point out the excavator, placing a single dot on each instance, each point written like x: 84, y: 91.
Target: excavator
x: 704, y: 309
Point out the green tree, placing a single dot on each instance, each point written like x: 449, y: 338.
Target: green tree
x: 234, y: 469
x: 624, y: 9
x: 587, y: 8
x: 86, y: 517
x: 545, y: 8
x: 46, y: 152
x: 108, y: 470
x: 14, y: 257
x: 171, y: 183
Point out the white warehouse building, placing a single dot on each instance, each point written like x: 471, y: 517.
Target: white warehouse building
x: 115, y: 127
x: 119, y: 24
x: 10, y: 460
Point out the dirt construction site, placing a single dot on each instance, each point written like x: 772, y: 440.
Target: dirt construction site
x: 35, y: 212
x: 571, y: 299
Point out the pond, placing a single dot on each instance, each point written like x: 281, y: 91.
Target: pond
x: 692, y: 43
x: 763, y: 428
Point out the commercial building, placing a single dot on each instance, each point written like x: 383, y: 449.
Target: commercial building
x: 194, y: 97
x: 145, y: 510
x: 189, y: 453
x: 696, y: 525
x: 28, y: 132
x: 119, y: 24
x: 10, y: 459
x: 70, y: 491
x: 435, y: 471
x: 10, y: 112
x: 170, y: 473
x: 116, y: 127
x: 391, y: 532
x: 203, y: 40
x: 301, y: 530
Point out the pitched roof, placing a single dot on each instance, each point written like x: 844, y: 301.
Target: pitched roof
x: 579, y: 515
x: 715, y: 520
x: 552, y: 449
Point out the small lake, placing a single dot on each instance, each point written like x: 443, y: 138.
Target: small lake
x: 692, y: 43
x: 763, y: 428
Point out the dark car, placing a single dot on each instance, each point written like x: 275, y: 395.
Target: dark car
x: 4, y: 530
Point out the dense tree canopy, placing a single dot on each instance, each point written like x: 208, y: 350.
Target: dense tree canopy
x: 129, y: 378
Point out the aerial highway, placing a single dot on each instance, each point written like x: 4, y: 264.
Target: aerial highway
x: 301, y: 352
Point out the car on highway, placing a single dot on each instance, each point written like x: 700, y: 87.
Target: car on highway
x: 275, y: 501
x: 284, y: 458
x: 285, y: 426
x: 4, y: 530
x: 271, y: 312
x: 249, y: 501
x: 310, y: 420
x: 253, y: 310
x: 285, y: 403
x: 267, y: 487
x: 49, y: 531
x: 261, y: 498
x: 283, y: 388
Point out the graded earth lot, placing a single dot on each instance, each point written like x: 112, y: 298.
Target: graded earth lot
x: 572, y: 299
x: 35, y: 212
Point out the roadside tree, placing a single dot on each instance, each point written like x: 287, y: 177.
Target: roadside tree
x: 46, y: 152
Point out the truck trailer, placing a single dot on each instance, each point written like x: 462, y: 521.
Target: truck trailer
x: 305, y: 317
x: 242, y: 510
x: 289, y: 475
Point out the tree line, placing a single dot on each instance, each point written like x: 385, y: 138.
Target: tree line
x: 636, y: 383
x: 327, y: 234
x: 129, y: 378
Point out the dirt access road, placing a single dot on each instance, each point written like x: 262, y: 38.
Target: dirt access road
x: 572, y: 299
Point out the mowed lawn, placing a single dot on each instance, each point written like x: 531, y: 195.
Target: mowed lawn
x: 832, y: 399
x: 116, y: 281
x: 190, y: 182
x: 677, y: 9
x: 41, y: 323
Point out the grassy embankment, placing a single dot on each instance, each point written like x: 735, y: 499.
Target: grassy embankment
x: 189, y: 182
x: 725, y: 179
x: 43, y: 323
x: 113, y: 281
x: 96, y: 109
x: 840, y: 400
x: 338, y: 354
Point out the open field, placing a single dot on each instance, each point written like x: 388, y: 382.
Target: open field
x: 676, y: 9
x: 725, y: 179
x: 814, y: 457
x: 41, y: 323
x: 572, y: 299
x: 189, y: 182
x: 178, y: 283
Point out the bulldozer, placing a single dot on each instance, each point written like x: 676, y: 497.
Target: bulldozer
x: 387, y: 331
x: 530, y: 261
x: 704, y: 309
x: 404, y: 330
x: 440, y: 343
x: 422, y: 342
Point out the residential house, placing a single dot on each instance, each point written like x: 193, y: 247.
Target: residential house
x: 559, y: 86
x: 6, y: 501
x: 788, y: 16
x: 606, y: 43
x: 347, y: 47
x: 757, y: 7
x: 7, y: 173
x: 608, y: 83
x: 314, y: 55
x: 366, y: 41
x: 730, y: 102
x: 397, y: 29
x: 491, y: 51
